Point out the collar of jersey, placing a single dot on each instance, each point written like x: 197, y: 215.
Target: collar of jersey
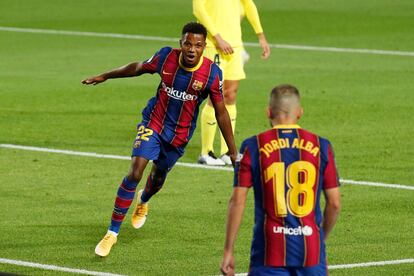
x: 286, y: 126
x: 190, y: 69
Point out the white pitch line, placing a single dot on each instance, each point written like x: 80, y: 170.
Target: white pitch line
x: 172, y: 39
x: 336, y: 49
x: 381, y: 263
x: 56, y: 268
x: 87, y: 272
x: 190, y: 165
x: 376, y: 184
x: 77, y: 33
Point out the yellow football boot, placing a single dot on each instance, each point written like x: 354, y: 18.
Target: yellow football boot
x: 104, y: 246
x: 140, y: 212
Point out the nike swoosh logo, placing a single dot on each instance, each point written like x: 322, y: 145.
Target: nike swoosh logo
x: 166, y: 73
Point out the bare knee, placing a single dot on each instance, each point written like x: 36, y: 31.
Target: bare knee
x: 230, y: 96
x: 134, y: 175
x: 230, y: 92
x: 136, y: 171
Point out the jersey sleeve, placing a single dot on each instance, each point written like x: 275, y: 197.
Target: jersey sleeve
x: 243, y: 170
x: 330, y: 176
x: 150, y: 66
x: 216, y: 88
x: 200, y: 12
x: 252, y: 15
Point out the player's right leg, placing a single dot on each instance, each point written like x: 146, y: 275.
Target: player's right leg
x: 123, y: 200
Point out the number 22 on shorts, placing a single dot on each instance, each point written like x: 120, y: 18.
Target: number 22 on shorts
x: 143, y: 133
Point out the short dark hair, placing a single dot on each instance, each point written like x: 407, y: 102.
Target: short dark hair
x: 283, y: 97
x: 194, y: 28
x: 284, y: 89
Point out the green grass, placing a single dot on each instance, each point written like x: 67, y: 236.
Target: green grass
x: 57, y: 207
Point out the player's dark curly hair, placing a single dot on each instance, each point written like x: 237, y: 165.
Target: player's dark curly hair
x: 194, y: 28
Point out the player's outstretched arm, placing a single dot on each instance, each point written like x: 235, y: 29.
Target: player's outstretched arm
x: 130, y: 70
x: 234, y: 218
x: 332, y: 209
x: 224, y: 123
x: 253, y: 17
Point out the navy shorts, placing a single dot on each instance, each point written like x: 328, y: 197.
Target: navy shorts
x: 317, y: 270
x: 148, y: 144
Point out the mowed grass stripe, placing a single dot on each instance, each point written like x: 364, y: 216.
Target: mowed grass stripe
x: 368, y: 264
x: 191, y: 165
x: 55, y: 268
x: 172, y: 39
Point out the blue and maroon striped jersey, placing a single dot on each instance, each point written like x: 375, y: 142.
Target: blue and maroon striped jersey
x: 288, y: 168
x: 173, y: 111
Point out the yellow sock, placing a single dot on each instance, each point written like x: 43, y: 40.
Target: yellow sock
x: 208, y: 129
x: 231, y: 109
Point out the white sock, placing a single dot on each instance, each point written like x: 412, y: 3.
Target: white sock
x: 112, y: 233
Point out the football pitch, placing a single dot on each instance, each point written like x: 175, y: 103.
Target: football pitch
x: 353, y: 62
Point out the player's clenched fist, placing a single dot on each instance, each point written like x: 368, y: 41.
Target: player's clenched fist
x: 227, y: 266
x: 94, y: 80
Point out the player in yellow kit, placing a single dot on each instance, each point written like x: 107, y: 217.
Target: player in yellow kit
x: 225, y: 46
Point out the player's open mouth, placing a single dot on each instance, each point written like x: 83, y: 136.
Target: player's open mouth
x: 191, y: 58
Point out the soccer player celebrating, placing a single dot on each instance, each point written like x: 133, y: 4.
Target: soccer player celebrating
x: 225, y: 47
x: 288, y: 168
x: 168, y: 120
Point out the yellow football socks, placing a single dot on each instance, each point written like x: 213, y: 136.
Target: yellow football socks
x: 208, y: 129
x: 231, y: 109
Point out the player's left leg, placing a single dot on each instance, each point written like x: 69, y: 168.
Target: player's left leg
x: 154, y: 183
x: 232, y: 75
x: 208, y: 125
x: 167, y: 158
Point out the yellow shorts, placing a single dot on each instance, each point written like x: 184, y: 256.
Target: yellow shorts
x: 231, y: 65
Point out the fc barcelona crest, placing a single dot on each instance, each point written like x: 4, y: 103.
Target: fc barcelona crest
x: 197, y: 85
x: 137, y: 144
